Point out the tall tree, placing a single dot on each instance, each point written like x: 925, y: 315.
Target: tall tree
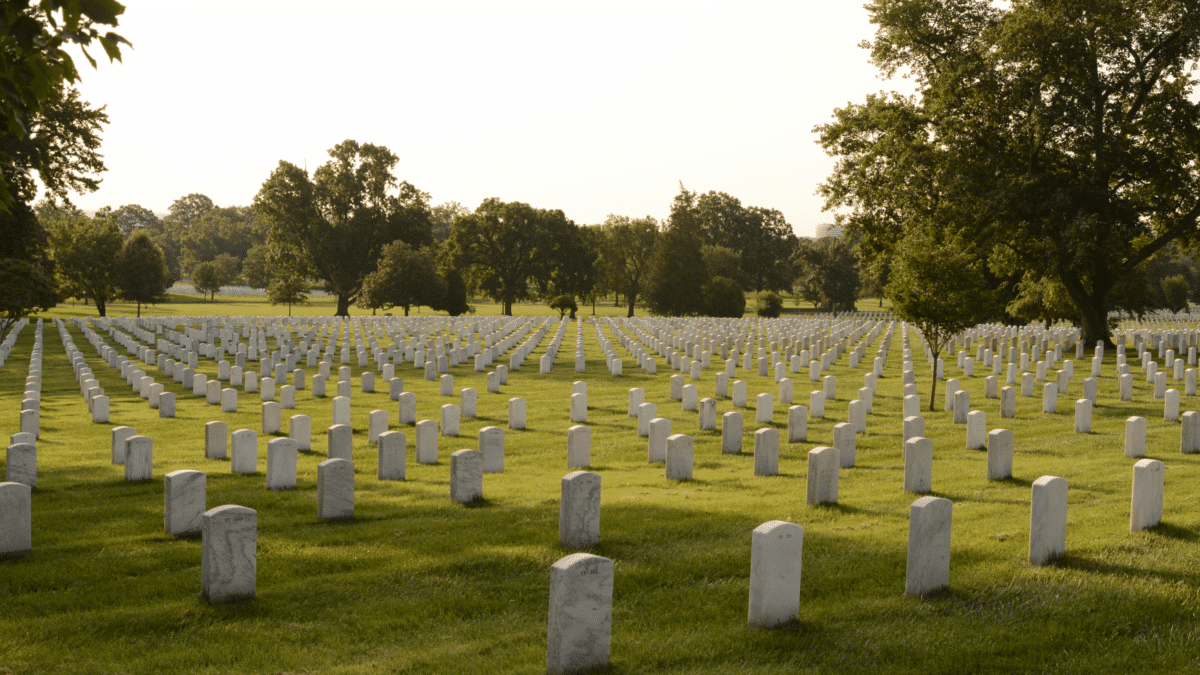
x: 512, y: 250
x: 133, y: 217
x: 339, y: 221
x: 404, y: 277
x: 677, y: 273
x: 86, y: 253
x: 626, y: 254
x: 37, y: 73
x: 27, y: 282
x: 142, y: 274
x: 442, y: 217
x: 829, y: 273
x: 761, y: 238
x: 1060, y: 139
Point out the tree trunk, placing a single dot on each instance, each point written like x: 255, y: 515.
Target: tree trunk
x: 933, y: 387
x: 406, y: 310
x: 1093, y: 319
x: 343, y: 305
x: 632, y: 300
x: 506, y: 310
x: 101, y: 307
x: 139, y: 302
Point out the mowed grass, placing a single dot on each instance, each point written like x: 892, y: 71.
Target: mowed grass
x: 416, y: 583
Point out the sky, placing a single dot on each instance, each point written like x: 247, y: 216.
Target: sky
x: 594, y: 108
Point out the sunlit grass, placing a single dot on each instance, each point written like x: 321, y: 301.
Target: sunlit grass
x: 416, y: 583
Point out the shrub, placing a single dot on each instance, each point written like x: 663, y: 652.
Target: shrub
x: 723, y: 298
x: 769, y: 304
x: 564, y: 304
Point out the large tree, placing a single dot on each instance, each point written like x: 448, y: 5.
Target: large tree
x: 142, y: 274
x: 404, y: 277
x: 829, y: 273
x: 87, y: 254
x: 1060, y: 140
x: 761, y: 238
x: 512, y: 251
x: 677, y: 273
x: 36, y: 78
x: 339, y: 220
x: 626, y: 253
x: 27, y: 282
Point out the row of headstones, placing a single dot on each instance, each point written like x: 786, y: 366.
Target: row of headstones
x: 31, y: 400
x: 11, y: 339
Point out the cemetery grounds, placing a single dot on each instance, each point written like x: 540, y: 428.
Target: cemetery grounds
x: 417, y: 583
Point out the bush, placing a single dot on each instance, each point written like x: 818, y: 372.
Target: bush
x: 769, y: 304
x: 564, y: 304
x: 724, y: 298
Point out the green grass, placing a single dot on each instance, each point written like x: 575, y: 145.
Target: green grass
x: 418, y: 584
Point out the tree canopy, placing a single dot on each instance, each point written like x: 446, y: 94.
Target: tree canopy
x: 86, y: 253
x: 404, y: 277
x: 142, y: 274
x: 1058, y: 140
x: 626, y: 251
x: 339, y: 220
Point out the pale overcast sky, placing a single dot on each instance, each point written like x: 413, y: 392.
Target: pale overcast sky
x: 589, y: 107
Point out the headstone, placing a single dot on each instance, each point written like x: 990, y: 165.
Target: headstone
x: 731, y: 433
x: 392, y: 455
x: 1048, y: 521
x: 20, y: 464
x: 1147, y: 501
x: 1050, y: 398
x: 928, y: 569
x: 1000, y: 454
x: 1189, y: 433
x: 467, y: 399
x: 918, y: 464
x: 271, y: 418
x: 579, y: 631
x: 341, y: 410
x: 844, y: 441
x: 962, y: 406
x: 912, y: 405
x: 139, y: 458
x: 184, y: 495
x: 822, y: 485
x: 335, y: 489
x: 976, y: 429
x: 1125, y: 392
x: 690, y: 398
x: 281, y: 464
x: 1135, y: 437
x: 516, y: 413
x: 637, y: 396
x: 797, y: 424
x: 1083, y: 416
x: 646, y: 412
x: 228, y: 563
x: 100, y: 410
x: 266, y: 387
x: 300, y: 430
x: 816, y: 405
x: 1171, y: 406
x: 407, y: 408
x: 244, y: 451
x: 215, y: 440
x: 680, y: 449
x: 579, y: 446
x: 451, y: 415
x: 395, y: 388
x: 914, y: 427
x: 776, y: 552
x: 951, y: 390
x: 427, y: 442
x: 491, y: 444
x: 708, y: 414
x: 466, y: 476
x: 766, y: 452
x: 659, y: 430
x: 16, y: 520
x: 340, y: 442
x: 579, y: 510
x: 739, y: 393
x: 119, y: 436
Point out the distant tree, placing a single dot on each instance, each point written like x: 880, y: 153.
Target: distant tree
x: 512, y: 250
x: 760, y: 237
x: 208, y: 279
x: 256, y: 268
x: 723, y: 297
x: 829, y: 272
x: 288, y: 287
x: 626, y: 254
x: 1175, y: 291
x: 938, y: 287
x: 677, y: 272
x: 133, y: 217
x: 142, y: 275
x: 230, y: 231
x: 454, y: 300
x: 86, y: 253
x: 442, y: 217
x: 769, y: 304
x: 571, y: 258
x: 721, y: 261
x: 564, y: 303
x: 339, y: 220
x: 229, y: 266
x: 403, y: 277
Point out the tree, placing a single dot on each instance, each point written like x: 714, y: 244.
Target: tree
x: 626, y: 253
x: 442, y: 217
x: 721, y: 261
x: 36, y: 75
x: 1175, y: 290
x: 723, y: 297
x: 27, y: 282
x: 403, y: 277
x: 208, y: 278
x: 564, y: 303
x: 769, y: 304
x: 133, y: 217
x: 511, y: 250
x: 287, y: 287
x: 86, y: 254
x: 1059, y: 139
x: 829, y: 272
x: 142, y: 274
x: 339, y: 221
x: 454, y: 300
x: 939, y: 287
x: 760, y: 237
x: 677, y: 271
x: 256, y: 268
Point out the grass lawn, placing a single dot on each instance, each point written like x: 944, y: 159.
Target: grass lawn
x: 418, y: 584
